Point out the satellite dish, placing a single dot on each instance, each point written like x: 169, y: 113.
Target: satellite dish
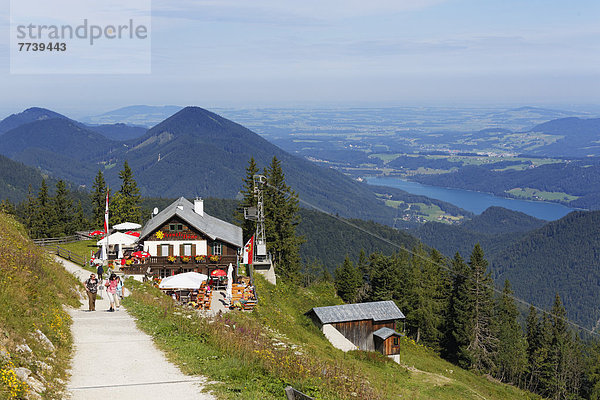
x: 155, y: 211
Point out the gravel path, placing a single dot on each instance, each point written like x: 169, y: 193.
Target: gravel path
x: 115, y: 360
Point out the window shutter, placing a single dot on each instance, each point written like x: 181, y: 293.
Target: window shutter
x: 193, y: 249
x: 181, y: 251
x: 159, y: 250
x: 171, y: 250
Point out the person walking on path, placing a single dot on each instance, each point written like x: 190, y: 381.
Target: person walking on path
x: 111, y: 291
x: 91, y: 288
x: 100, y: 271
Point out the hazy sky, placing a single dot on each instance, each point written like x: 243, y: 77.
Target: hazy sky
x: 220, y: 53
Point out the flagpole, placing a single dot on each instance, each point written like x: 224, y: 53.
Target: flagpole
x: 106, y: 226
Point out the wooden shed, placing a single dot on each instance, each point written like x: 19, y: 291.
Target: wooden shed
x: 387, y: 341
x: 358, y: 322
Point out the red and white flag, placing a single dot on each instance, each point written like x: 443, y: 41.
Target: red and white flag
x: 106, y: 214
x: 248, y: 251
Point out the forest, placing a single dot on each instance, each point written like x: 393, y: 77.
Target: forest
x: 451, y: 305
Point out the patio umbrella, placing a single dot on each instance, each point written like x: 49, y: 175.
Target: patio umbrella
x: 140, y: 254
x: 218, y: 272
x: 126, y: 226
x: 229, y: 282
x: 118, y: 238
x: 132, y: 233
x: 187, y: 280
x: 96, y: 233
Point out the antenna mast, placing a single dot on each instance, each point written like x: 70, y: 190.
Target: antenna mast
x: 260, y: 237
x: 261, y: 259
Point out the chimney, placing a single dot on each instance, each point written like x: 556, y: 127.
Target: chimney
x: 199, y: 206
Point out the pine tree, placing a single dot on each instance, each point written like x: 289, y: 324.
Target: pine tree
x: 511, y: 358
x: 98, y: 197
x: 7, y: 207
x: 385, y: 277
x: 42, y: 214
x: 593, y: 363
x: 248, y: 200
x: 29, y: 213
x: 348, y: 280
x: 565, y: 380
x: 457, y: 314
x: 364, y: 291
x: 125, y: 206
x: 483, y: 343
x: 281, y: 219
x: 473, y: 311
x: 80, y: 221
x: 535, y: 354
x: 424, y: 298
x: 62, y: 212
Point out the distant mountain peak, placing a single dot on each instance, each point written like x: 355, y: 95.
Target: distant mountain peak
x: 196, y: 121
x: 29, y: 115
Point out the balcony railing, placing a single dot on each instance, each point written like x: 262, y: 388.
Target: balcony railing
x: 179, y: 261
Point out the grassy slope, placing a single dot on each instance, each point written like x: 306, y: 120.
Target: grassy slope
x: 255, y: 355
x: 33, y: 291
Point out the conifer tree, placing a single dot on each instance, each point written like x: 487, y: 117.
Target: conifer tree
x: 7, y: 207
x: 511, y: 358
x: 348, y: 280
x: 385, y: 276
x: 281, y: 219
x: 248, y: 200
x: 80, y: 220
x: 98, y: 197
x: 474, y: 313
x: 458, y: 314
x: 424, y: 297
x: 43, y: 213
x: 536, y: 353
x: 483, y: 342
x: 125, y: 204
x: 62, y: 212
x: 364, y: 291
x: 565, y: 379
x: 593, y: 362
x: 29, y: 213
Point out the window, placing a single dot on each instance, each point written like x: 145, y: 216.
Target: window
x: 395, y: 341
x: 164, y: 273
x: 187, y: 250
x: 164, y: 250
x: 217, y: 249
x: 175, y: 227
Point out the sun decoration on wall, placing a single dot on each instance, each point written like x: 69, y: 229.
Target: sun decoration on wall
x: 160, y: 235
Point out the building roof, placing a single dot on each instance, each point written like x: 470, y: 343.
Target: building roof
x: 385, y: 332
x: 376, y: 311
x: 212, y: 227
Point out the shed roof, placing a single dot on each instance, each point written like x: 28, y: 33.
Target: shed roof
x: 212, y: 227
x: 385, y: 332
x: 376, y: 311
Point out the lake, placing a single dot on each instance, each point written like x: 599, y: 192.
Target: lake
x: 476, y: 202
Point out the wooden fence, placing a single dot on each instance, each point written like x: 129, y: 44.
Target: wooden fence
x: 68, y: 255
x: 56, y: 241
x: 293, y: 394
